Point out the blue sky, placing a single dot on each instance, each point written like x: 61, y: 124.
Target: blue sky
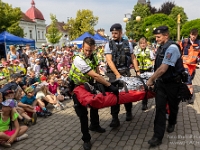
x: 108, y: 11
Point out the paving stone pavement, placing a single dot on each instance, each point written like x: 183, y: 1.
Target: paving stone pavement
x: 61, y: 131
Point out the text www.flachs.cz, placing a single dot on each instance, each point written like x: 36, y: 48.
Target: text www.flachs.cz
x: 185, y: 142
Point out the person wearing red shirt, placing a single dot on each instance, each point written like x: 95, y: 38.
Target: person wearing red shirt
x: 54, y: 88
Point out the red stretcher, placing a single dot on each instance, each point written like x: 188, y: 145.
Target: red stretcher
x: 101, y: 101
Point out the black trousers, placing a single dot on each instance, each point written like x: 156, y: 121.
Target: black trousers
x: 82, y: 113
x: 165, y: 93
x: 145, y: 100
x: 128, y: 106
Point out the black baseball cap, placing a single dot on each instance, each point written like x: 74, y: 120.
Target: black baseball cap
x: 116, y: 27
x: 161, y: 29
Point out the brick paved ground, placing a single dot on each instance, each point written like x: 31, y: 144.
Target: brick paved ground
x: 61, y: 131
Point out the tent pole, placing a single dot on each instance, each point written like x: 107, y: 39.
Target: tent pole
x: 5, y: 45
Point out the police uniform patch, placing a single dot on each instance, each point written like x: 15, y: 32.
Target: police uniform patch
x: 168, y: 56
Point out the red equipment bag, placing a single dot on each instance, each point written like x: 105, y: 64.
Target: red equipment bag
x: 100, y: 101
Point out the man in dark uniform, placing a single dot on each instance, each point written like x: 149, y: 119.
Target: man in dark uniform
x: 168, y: 68
x: 85, y: 69
x: 44, y: 63
x: 119, y: 56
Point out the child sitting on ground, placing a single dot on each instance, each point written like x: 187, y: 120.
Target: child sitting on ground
x: 29, y: 103
x: 9, y: 136
x: 54, y: 88
x: 46, y: 96
x: 22, y: 115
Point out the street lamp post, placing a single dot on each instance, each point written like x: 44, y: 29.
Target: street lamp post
x: 67, y: 36
x: 126, y: 19
x: 178, y: 26
x: 147, y: 29
x: 138, y: 18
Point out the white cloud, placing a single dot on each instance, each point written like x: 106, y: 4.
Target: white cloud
x: 108, y: 11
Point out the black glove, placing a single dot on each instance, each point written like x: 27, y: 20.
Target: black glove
x: 113, y: 89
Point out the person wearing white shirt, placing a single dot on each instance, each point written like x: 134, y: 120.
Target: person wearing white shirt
x: 36, y: 68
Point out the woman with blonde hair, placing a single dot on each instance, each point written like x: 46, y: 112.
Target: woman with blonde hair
x: 145, y: 58
x: 12, y: 54
x: 44, y: 94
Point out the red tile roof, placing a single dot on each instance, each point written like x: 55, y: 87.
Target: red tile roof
x: 25, y: 18
x: 34, y: 13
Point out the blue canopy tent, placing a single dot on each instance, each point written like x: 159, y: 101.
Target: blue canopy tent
x: 8, y: 39
x: 102, y: 39
x: 80, y: 39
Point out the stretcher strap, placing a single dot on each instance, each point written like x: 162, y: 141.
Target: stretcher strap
x: 145, y: 86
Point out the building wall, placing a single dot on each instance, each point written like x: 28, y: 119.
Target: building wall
x: 41, y: 32
x: 35, y: 30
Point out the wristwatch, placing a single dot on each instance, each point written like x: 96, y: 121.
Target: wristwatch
x: 137, y: 71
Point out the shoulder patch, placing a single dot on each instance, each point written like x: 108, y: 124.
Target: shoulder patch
x: 168, y: 56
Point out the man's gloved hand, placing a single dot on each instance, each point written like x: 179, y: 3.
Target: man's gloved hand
x: 113, y: 89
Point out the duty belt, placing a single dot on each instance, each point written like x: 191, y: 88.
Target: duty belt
x: 176, y: 79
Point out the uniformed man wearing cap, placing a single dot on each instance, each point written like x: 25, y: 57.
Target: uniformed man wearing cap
x: 119, y: 56
x: 168, y: 68
x: 85, y: 69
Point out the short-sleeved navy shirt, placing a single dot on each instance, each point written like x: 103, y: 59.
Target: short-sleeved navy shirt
x: 172, y: 54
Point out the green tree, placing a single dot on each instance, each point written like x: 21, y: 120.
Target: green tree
x: 9, y: 19
x: 152, y: 9
x: 178, y: 10
x: 133, y: 27
x: 53, y: 35
x: 185, y: 31
x: 156, y: 20
x: 166, y: 7
x: 84, y: 22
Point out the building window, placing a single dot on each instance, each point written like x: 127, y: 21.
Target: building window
x: 38, y: 34
x: 42, y: 35
x: 31, y: 35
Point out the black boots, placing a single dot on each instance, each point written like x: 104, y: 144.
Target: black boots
x: 144, y: 107
x: 154, y: 141
x: 87, y: 145
x: 129, y: 116
x: 97, y: 129
x: 115, y: 123
x: 170, y: 128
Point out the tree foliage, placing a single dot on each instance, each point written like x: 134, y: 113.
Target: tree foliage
x: 152, y: 9
x: 166, y: 7
x: 141, y: 10
x: 178, y: 10
x: 9, y: 19
x: 84, y: 22
x: 185, y: 31
x: 156, y: 20
x: 53, y: 35
x: 133, y: 27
